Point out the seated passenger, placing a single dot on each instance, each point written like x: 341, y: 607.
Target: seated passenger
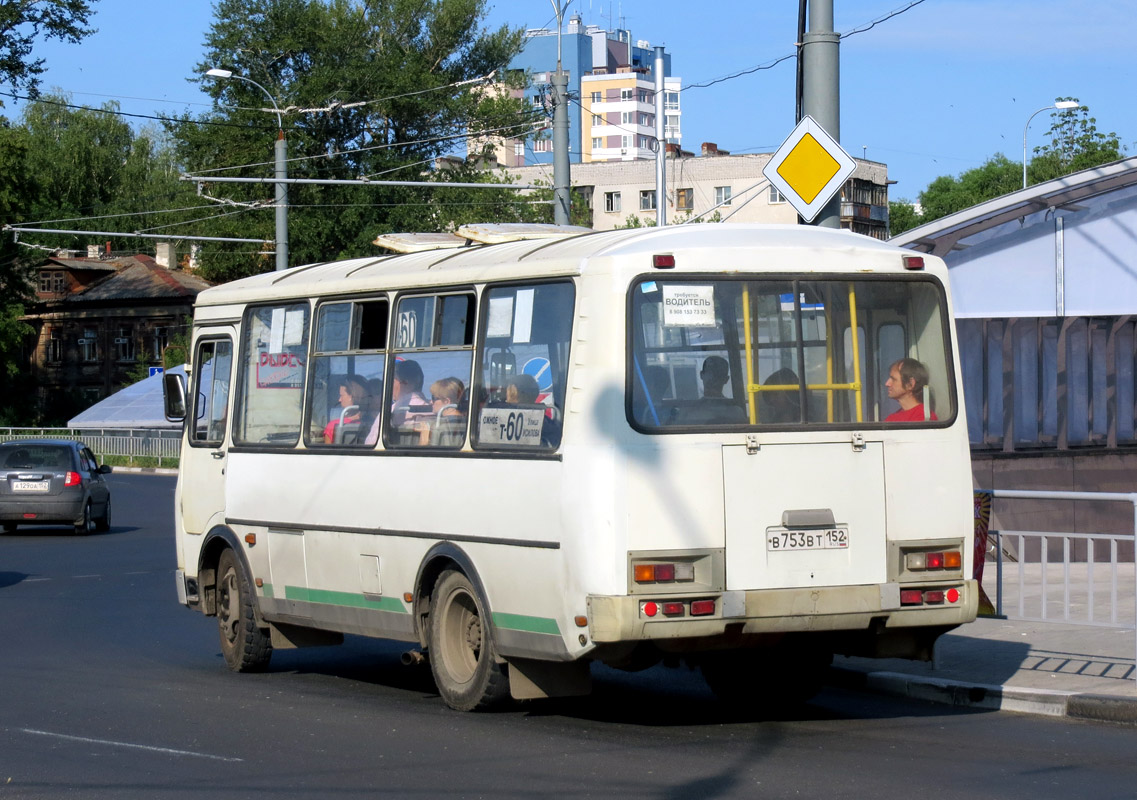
x: 351, y: 394
x: 714, y: 407
x: 906, y: 381
x: 448, y: 428
x: 780, y: 405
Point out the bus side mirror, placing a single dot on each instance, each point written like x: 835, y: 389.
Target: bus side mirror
x: 174, y: 396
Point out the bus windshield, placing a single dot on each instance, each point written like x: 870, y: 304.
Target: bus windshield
x: 779, y: 352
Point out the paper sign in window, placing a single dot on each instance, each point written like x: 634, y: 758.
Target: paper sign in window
x: 689, y: 306
x: 501, y: 317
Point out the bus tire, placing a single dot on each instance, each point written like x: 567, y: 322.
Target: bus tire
x: 245, y: 646
x: 463, y: 658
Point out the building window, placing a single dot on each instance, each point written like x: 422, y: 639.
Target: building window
x: 54, y: 353
x: 625, y: 142
x: 647, y: 119
x: 89, y: 345
x: 776, y: 196
x: 124, y: 343
x: 625, y: 117
x: 612, y: 202
x: 684, y: 199
x: 597, y: 119
x: 519, y: 149
x: 597, y: 97
x: 722, y: 195
x: 161, y: 342
x: 627, y: 94
x: 646, y: 96
x: 598, y: 143
x: 52, y: 281
x: 647, y: 200
x: 646, y: 142
x: 671, y: 100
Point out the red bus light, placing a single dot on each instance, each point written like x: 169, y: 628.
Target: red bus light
x: 673, y: 609
x: 702, y: 608
x: 935, y: 560
x: 911, y: 597
x: 665, y: 572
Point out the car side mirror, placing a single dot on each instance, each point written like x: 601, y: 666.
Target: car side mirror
x: 105, y: 469
x: 174, y: 396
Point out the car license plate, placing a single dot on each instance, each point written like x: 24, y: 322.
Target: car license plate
x: 29, y: 486
x: 813, y: 539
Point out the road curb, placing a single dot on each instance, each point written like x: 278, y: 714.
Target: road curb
x: 1098, y: 708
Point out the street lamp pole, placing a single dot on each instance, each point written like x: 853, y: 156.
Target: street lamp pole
x: 280, y: 151
x: 1061, y: 105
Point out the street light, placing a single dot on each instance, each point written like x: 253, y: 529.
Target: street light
x: 1061, y: 105
x: 281, y: 152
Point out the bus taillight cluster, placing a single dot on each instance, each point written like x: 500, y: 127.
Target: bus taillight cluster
x: 948, y: 559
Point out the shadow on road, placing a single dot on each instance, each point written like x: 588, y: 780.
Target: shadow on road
x: 11, y: 578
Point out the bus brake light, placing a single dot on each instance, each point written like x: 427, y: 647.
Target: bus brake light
x: 661, y: 261
x: 913, y: 262
x: 702, y: 608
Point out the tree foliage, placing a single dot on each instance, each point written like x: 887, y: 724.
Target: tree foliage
x: 23, y: 22
x: 1074, y: 144
x: 368, y: 88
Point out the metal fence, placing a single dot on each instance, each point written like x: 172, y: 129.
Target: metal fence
x: 1072, y: 578
x: 152, y: 447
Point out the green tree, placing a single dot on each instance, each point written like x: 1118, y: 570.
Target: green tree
x: 394, y: 84
x: 1075, y: 144
x: 23, y: 22
x: 946, y: 195
x: 902, y: 216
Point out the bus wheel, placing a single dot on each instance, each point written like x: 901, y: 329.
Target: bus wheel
x: 246, y: 647
x: 769, y: 681
x: 462, y: 653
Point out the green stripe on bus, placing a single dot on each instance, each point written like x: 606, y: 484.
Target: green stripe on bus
x: 267, y: 590
x: 520, y: 622
x: 392, y: 604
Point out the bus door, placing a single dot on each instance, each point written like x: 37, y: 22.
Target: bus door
x: 203, y: 462
x: 804, y: 506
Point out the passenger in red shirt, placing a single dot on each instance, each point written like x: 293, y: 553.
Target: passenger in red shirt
x: 906, y: 381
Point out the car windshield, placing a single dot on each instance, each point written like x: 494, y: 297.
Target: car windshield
x: 34, y: 456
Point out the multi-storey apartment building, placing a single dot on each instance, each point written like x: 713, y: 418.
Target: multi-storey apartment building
x: 599, y: 62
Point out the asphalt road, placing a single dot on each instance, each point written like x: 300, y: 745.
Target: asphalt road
x: 110, y: 689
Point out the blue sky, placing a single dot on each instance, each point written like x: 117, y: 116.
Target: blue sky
x: 933, y: 91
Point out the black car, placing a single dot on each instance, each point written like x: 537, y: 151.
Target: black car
x: 53, y: 482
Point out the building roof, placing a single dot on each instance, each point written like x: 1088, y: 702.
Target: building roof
x: 137, y: 277
x: 1069, y: 192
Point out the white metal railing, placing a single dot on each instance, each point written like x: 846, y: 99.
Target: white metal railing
x: 1093, y: 590
x: 129, y: 443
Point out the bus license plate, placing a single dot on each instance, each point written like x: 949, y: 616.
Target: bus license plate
x: 29, y: 486
x: 816, y: 539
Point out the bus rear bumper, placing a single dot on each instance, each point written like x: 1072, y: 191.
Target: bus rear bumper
x: 836, y: 609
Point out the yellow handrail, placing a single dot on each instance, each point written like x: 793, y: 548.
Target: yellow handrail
x: 856, y: 350
x: 750, y: 399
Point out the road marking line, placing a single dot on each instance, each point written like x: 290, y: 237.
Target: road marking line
x: 128, y: 744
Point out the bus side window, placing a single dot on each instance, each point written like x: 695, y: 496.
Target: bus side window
x: 520, y: 393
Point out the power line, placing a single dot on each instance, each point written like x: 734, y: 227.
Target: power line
x: 41, y: 99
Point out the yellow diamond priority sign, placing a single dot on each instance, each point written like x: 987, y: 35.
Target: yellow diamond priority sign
x: 809, y: 168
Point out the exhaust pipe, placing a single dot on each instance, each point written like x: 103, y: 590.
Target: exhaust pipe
x: 412, y: 658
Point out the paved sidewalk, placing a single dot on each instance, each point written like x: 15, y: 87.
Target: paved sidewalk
x: 1032, y: 667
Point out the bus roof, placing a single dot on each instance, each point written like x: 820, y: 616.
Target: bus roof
x: 548, y: 258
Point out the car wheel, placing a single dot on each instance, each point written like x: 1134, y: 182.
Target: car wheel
x: 9, y: 527
x: 463, y: 658
x: 87, y: 522
x: 104, y: 523
x: 246, y: 647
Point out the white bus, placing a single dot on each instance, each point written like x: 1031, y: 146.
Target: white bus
x: 663, y: 444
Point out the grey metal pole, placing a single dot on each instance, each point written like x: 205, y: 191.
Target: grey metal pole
x: 561, y: 199
x: 821, y: 87
x: 661, y: 142
x: 281, y: 150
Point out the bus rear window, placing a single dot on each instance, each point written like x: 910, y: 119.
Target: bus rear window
x: 788, y: 352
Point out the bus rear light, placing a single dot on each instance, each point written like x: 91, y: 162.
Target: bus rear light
x: 702, y: 608
x: 948, y: 559
x: 673, y: 610
x: 934, y: 597
x: 72, y: 479
x: 649, y: 609
x: 684, y: 571
x: 953, y: 559
x: 911, y: 597
x: 662, y: 261
x: 915, y: 561
x: 644, y: 573
x: 665, y: 573
x: 952, y: 595
x: 913, y: 262
x: 934, y: 560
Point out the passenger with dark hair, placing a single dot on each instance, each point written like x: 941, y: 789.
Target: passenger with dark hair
x: 780, y: 405
x: 352, y: 392
x: 907, y: 378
